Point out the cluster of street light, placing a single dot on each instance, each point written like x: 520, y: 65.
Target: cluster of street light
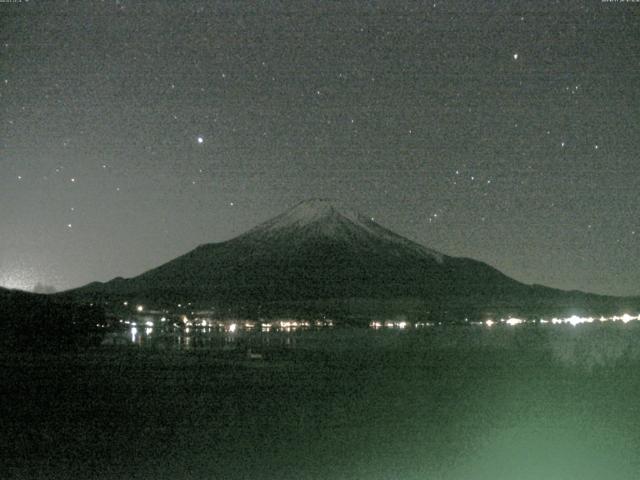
x: 573, y: 320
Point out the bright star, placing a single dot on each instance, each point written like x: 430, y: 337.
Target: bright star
x: 200, y: 140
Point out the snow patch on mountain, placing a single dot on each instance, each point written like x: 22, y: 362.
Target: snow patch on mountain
x: 332, y: 219
x: 313, y: 211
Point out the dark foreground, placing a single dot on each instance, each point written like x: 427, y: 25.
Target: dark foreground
x: 460, y: 404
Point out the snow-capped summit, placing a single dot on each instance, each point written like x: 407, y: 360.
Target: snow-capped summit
x: 312, y: 211
x: 318, y: 208
x: 320, y: 215
x: 331, y: 219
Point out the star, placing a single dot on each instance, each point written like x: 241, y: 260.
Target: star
x: 515, y: 56
x: 200, y: 140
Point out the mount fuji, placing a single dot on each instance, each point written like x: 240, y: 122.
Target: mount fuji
x: 321, y: 258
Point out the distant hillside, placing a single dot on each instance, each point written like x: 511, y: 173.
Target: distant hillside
x: 36, y: 322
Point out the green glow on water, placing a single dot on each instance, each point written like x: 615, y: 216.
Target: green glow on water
x: 549, y: 448
x: 450, y: 405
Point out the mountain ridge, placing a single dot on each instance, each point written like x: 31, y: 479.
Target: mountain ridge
x: 321, y: 257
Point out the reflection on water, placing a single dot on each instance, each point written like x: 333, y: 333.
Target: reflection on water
x: 573, y: 340
x: 134, y: 334
x: 233, y: 335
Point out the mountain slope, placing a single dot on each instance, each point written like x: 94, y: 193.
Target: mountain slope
x: 319, y: 253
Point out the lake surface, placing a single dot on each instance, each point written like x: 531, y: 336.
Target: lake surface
x: 448, y: 403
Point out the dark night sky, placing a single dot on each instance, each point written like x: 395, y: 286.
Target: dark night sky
x: 130, y: 132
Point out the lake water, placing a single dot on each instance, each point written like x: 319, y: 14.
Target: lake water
x: 337, y: 403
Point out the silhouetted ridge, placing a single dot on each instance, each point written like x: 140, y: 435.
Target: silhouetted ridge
x: 322, y: 257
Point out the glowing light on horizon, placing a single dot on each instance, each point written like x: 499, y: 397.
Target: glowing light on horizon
x: 574, y: 320
x: 19, y: 277
x: 626, y: 318
x: 514, y: 321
